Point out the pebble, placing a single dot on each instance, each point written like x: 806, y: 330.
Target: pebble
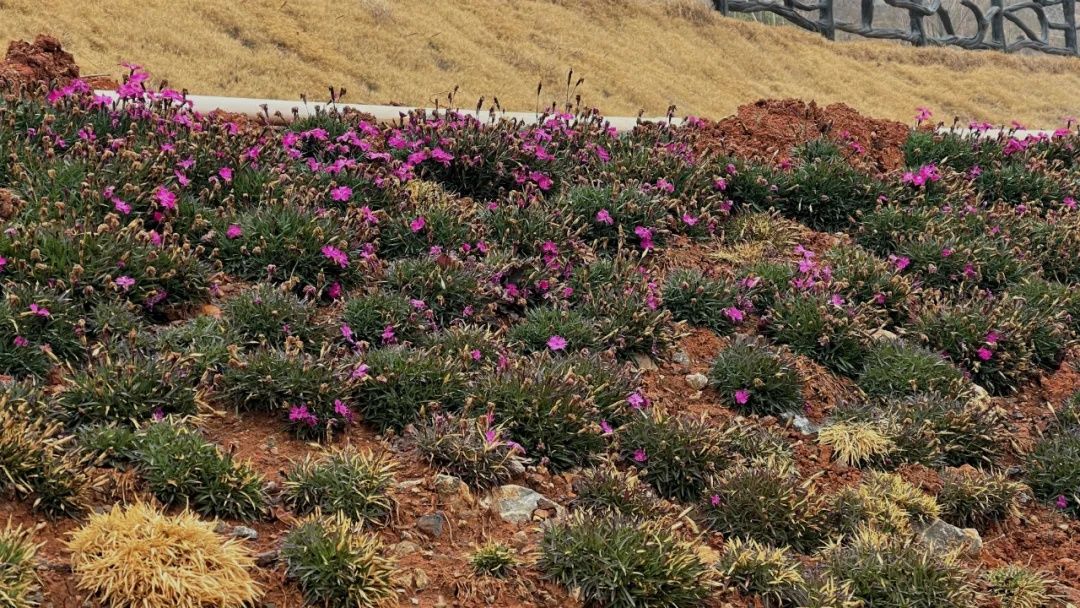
x: 245, y: 533
x: 432, y: 524
x: 697, y: 381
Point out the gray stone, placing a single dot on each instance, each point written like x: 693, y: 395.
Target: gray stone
x: 405, y: 547
x: 266, y: 559
x: 681, y: 357
x: 453, y: 491
x: 516, y: 504
x: 802, y: 424
x: 697, y: 381
x: 943, y: 536
x: 645, y: 363
x: 245, y: 533
x: 432, y: 524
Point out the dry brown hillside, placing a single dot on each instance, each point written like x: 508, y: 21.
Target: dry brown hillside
x: 634, y: 54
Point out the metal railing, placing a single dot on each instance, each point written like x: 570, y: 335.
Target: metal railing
x: 1034, y: 24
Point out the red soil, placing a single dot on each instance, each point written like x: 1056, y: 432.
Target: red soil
x: 767, y: 129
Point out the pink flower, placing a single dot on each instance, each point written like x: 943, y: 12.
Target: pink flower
x: 556, y: 343
x: 605, y: 426
x: 165, y: 198
x: 476, y: 355
x: 388, y: 335
x: 418, y: 224
x: 335, y: 255
x: 158, y: 415
x: 604, y: 217
x: 121, y: 206
x: 1061, y: 502
x: 360, y: 371
x: 922, y: 114
x: 645, y: 236
x: 347, y: 333
x: 636, y: 400
x: 720, y: 184
x: 226, y: 173
x: 234, y: 231
x: 665, y: 186
x: 301, y: 414
x: 714, y: 500
x: 343, y: 410
x: 969, y: 270
x: 3, y: 262
x: 341, y: 194
x: 742, y: 396
x: 901, y: 262
x: 836, y: 300
x: 442, y: 156
x: 689, y: 220
x: 984, y: 353
x: 946, y: 252
x: 40, y: 311
x: 125, y: 282
x: 334, y: 291
x: 640, y: 455
x: 734, y: 314
x: 21, y: 341
x: 1069, y: 202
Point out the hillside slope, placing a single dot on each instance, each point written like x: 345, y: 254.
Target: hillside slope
x: 635, y: 54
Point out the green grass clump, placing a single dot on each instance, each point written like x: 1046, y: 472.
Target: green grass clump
x: 890, y: 571
x: 403, y: 384
x: 204, y: 342
x: 347, y: 481
x: 447, y: 290
x: 548, y: 413
x: 1018, y: 587
x: 703, y: 301
x: 1053, y: 470
x: 471, y: 449
x: 885, y: 502
x: 757, y: 569
x: 972, y: 498
x: 368, y: 316
x: 607, y: 490
x: 836, y: 336
x: 267, y: 316
x: 623, y: 563
x: 826, y: 193
x: 894, y: 369
x: 678, y: 456
x: 183, y: 469
x: 753, y: 378
x: 127, y: 390
x: 337, y: 564
x: 493, y: 559
x: 533, y: 333
x: 18, y: 576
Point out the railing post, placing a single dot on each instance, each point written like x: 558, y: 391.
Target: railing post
x: 997, y: 25
x: 827, y: 18
x: 918, y: 29
x: 1068, y: 9
x: 722, y: 6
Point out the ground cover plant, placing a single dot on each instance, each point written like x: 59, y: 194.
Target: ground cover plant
x: 755, y: 379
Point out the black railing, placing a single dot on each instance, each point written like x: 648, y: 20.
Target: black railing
x: 929, y: 23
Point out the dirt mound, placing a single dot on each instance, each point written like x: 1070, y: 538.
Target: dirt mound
x: 42, y: 61
x: 769, y: 128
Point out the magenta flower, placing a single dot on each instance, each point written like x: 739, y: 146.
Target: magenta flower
x: 343, y: 410
x: 21, y: 341
x: 334, y: 291
x: 645, y: 236
x: 922, y: 114
x: 640, y: 455
x: 984, y: 353
x: 665, y: 186
x: 347, y: 332
x: 1069, y: 203
x: 636, y: 400
x: 605, y: 426
x: 992, y: 337
x: 165, y: 198
x: 125, y: 282
x: 689, y: 220
x: 158, y: 415
x: 226, y: 173
x: 360, y: 371
x: 604, y: 217
x: 556, y: 343
x: 476, y: 355
x: 335, y: 255
x: 742, y: 396
x: 734, y: 314
x: 40, y: 311
x: 946, y: 252
x: 714, y: 500
x: 341, y: 194
x: 301, y: 414
x: 388, y: 335
x: 234, y: 231
x: 442, y: 156
x: 3, y: 262
x: 121, y: 206
x: 1061, y: 502
x: 418, y: 224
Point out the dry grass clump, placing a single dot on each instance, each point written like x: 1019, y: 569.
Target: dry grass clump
x: 642, y: 54
x: 139, y: 557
